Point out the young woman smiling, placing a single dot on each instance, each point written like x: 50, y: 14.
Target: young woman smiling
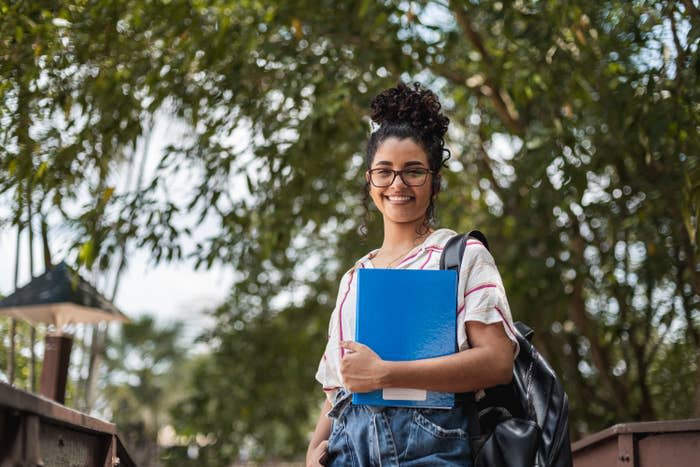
x: 404, y: 157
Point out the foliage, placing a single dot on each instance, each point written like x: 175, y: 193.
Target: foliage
x: 140, y: 383
x: 270, y: 357
x: 22, y: 357
x: 575, y: 148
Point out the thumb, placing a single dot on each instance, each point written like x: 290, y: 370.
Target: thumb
x: 351, y: 345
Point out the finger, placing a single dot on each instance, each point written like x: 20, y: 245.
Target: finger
x: 323, y: 447
x: 351, y: 345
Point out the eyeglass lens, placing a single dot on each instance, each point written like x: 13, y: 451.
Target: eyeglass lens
x: 385, y: 177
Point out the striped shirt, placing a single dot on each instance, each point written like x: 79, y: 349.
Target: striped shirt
x: 480, y: 297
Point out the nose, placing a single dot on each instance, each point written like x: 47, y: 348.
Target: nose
x: 398, y: 179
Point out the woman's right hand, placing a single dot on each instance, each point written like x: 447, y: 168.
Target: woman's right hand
x: 317, y: 456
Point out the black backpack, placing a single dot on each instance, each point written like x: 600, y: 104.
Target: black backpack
x: 526, y: 422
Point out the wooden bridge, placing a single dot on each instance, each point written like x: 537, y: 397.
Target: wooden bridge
x: 36, y: 431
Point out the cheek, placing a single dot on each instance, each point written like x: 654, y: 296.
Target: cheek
x: 375, y: 194
x: 426, y: 195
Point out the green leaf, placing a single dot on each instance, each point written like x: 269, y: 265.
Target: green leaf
x: 86, y: 253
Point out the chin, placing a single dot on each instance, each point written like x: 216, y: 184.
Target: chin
x: 411, y: 220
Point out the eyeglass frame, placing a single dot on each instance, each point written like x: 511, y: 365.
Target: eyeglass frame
x: 398, y: 173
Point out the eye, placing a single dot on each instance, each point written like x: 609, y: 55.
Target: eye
x: 416, y: 173
x: 384, y: 172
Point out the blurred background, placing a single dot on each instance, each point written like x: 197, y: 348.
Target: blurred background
x: 200, y: 162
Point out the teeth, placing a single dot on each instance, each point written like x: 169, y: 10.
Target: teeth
x: 399, y: 198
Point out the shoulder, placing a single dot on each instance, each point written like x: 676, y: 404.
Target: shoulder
x: 478, y: 264
x: 477, y: 246
x: 475, y: 254
x: 439, y: 238
x: 474, y: 247
x: 359, y: 263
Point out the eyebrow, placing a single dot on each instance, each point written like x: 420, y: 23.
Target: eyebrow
x: 407, y: 164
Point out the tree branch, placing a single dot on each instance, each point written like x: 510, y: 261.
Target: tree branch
x: 667, y: 319
x: 599, y: 353
x: 691, y: 331
x: 680, y: 51
x: 499, y: 98
x: 577, y: 311
x: 692, y: 9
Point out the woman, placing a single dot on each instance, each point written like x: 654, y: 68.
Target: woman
x: 404, y: 157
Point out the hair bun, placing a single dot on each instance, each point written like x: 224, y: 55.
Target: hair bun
x: 414, y: 105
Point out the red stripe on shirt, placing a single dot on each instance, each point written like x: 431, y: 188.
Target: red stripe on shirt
x: 482, y: 286
x: 407, y: 258
x: 427, y: 248
x: 340, y: 311
x: 505, y: 321
x: 430, y: 254
x: 470, y: 242
x: 475, y: 242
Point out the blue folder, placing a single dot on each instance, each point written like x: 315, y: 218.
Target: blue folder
x: 407, y: 314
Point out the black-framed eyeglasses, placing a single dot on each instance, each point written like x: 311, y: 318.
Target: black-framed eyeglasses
x: 383, y: 177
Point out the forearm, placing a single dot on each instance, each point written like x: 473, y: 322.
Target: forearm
x: 489, y: 362
x: 323, y: 429
x: 469, y: 370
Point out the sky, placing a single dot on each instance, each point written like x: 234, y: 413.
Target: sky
x: 168, y: 291
x: 173, y: 291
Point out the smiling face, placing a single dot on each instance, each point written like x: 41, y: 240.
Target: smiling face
x: 400, y: 203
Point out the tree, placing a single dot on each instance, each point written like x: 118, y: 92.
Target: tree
x: 603, y: 135
x: 574, y: 138
x: 144, y: 364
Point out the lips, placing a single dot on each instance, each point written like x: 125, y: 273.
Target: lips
x: 399, y: 199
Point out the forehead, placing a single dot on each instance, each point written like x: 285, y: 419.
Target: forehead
x: 400, y: 152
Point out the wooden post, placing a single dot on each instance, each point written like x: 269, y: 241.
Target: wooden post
x: 54, y: 373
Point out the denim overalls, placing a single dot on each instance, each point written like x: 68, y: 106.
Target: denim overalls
x: 368, y: 436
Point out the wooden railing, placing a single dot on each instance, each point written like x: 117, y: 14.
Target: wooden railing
x: 669, y: 443
x: 35, y: 431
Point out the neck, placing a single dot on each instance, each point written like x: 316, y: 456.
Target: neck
x: 400, y: 237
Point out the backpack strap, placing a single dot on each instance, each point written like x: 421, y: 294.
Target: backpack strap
x: 451, y: 259
x: 453, y: 252
x: 524, y: 330
x: 479, y: 236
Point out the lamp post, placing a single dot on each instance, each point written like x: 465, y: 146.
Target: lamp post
x: 58, y: 297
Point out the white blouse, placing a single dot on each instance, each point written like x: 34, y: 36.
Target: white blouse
x: 481, y: 297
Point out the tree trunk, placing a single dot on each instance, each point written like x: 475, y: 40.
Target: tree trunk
x: 599, y: 354
x: 97, y: 345
x: 100, y: 338
x: 696, y: 402
x: 13, y: 323
x: 32, y: 329
x: 45, y: 244
x: 11, y: 353
x: 82, y: 382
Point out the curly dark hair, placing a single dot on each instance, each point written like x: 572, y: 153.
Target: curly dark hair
x: 409, y: 111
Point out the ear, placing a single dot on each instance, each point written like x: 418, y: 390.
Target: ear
x: 367, y: 176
